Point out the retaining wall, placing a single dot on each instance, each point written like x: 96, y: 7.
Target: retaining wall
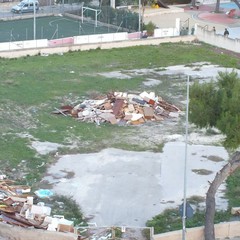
x: 222, y: 231
x: 99, y: 38
x: 217, y: 40
x: 10, y: 46
x: 83, y: 47
x: 18, y: 233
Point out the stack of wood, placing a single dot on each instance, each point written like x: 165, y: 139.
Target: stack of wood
x: 121, y: 108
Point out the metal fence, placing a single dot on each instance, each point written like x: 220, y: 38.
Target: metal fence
x: 17, y: 27
x: 51, y: 27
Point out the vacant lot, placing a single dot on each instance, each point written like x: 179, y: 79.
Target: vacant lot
x: 32, y: 87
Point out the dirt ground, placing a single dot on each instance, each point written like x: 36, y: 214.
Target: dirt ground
x: 123, y: 188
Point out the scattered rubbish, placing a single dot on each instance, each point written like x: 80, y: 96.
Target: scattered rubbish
x: 235, y: 211
x: 44, y: 54
x: 17, y: 208
x: 3, y: 176
x: 121, y: 108
x: 41, y: 165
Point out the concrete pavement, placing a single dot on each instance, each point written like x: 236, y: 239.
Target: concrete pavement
x: 204, y: 16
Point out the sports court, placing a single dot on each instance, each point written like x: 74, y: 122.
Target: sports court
x: 52, y: 27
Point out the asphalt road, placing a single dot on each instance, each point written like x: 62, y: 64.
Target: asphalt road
x: 5, y: 9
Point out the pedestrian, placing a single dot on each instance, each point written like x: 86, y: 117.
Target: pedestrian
x: 214, y: 29
x: 192, y: 30
x: 197, y: 5
x: 226, y: 33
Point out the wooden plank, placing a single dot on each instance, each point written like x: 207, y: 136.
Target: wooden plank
x: 158, y: 118
x: 131, y: 108
x: 128, y: 117
x: 117, y: 107
x: 109, y: 117
x: 148, y: 112
x: 139, y: 121
x: 107, y: 105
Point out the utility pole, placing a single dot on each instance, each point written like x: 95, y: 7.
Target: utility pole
x: 34, y: 20
x: 185, y: 167
x: 139, y: 16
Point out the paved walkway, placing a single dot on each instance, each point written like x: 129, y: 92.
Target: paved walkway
x: 204, y: 16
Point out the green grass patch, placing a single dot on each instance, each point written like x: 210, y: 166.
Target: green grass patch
x: 170, y: 220
x: 61, y: 205
x: 15, y: 149
x: 233, y: 189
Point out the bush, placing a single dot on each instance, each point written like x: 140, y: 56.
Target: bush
x: 149, y: 28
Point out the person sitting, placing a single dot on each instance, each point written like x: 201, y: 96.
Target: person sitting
x: 226, y: 33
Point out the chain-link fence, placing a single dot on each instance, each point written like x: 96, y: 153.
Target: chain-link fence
x: 93, y: 20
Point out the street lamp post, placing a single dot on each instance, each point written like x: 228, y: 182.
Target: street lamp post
x: 34, y: 20
x: 185, y: 167
x: 139, y: 16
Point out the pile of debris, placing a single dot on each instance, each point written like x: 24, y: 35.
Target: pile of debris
x: 121, y: 108
x: 17, y: 208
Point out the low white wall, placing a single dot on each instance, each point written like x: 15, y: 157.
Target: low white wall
x: 211, y: 1
x: 110, y: 37
x: 84, y: 47
x: 222, y: 231
x: 166, y: 32
x: 6, y: 46
x: 217, y: 40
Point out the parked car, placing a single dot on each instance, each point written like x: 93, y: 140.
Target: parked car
x: 25, y: 6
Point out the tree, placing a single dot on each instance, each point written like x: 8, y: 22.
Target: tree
x: 217, y: 7
x: 217, y: 104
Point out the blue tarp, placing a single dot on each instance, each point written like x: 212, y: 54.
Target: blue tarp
x: 43, y: 193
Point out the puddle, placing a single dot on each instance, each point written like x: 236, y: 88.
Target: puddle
x: 204, y: 71
x: 103, y: 187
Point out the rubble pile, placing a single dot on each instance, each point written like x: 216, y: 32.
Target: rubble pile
x: 121, y: 108
x: 17, y: 208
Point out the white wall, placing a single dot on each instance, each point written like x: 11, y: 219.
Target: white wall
x: 222, y: 231
x: 6, y: 46
x: 98, y: 38
x: 166, y: 32
x: 217, y: 40
x: 84, y: 47
x: 211, y: 1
